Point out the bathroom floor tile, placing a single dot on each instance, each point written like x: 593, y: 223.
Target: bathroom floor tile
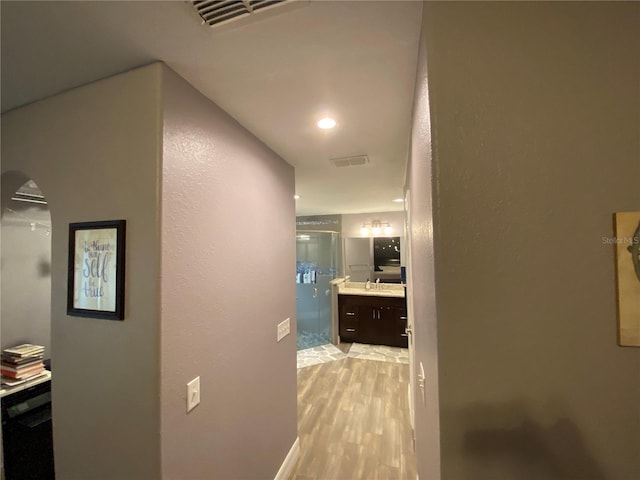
x: 320, y: 354
x: 330, y: 353
x: 381, y: 353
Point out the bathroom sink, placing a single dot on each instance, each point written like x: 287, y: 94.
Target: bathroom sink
x: 373, y: 291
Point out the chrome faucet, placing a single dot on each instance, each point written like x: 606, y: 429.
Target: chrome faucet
x: 378, y: 283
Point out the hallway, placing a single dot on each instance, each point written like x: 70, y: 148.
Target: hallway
x: 353, y: 421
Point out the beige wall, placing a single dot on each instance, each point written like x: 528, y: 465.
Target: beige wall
x: 228, y: 260
x: 95, y: 152
x: 536, y: 126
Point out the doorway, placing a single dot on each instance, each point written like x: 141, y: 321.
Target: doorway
x: 26, y: 435
x: 26, y: 268
x: 355, y: 398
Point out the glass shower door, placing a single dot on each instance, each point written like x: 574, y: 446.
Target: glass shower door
x: 316, y: 265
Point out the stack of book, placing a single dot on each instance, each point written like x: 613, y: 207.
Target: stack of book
x: 21, y: 363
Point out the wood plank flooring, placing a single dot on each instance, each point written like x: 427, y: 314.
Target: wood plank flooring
x: 353, y: 422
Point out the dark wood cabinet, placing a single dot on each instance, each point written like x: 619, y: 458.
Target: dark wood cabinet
x: 372, y: 319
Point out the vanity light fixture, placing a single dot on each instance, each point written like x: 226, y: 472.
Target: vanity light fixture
x: 327, y: 123
x: 296, y: 196
x: 376, y: 228
x: 398, y: 200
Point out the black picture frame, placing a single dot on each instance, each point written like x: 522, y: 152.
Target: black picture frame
x: 95, y: 284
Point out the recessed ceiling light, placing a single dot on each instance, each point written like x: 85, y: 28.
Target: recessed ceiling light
x: 296, y: 196
x: 327, y: 123
x: 398, y: 200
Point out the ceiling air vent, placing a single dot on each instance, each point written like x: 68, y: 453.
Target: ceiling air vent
x: 219, y: 12
x: 350, y: 161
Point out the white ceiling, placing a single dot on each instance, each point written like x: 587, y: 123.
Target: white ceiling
x: 277, y: 73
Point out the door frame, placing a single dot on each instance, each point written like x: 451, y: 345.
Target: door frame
x: 410, y: 321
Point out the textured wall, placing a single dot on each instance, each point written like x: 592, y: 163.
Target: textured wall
x: 228, y: 243
x: 421, y: 301
x: 536, y: 118
x: 95, y: 151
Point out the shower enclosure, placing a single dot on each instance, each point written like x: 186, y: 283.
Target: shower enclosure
x: 317, y: 263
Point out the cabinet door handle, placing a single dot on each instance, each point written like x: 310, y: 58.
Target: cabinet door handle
x: 350, y: 329
x: 403, y: 318
x: 350, y: 314
x: 404, y: 335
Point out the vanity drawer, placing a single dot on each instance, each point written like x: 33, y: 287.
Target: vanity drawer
x: 348, y: 323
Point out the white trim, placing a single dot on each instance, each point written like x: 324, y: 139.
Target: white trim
x: 286, y: 469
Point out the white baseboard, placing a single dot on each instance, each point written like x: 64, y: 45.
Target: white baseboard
x: 289, y: 462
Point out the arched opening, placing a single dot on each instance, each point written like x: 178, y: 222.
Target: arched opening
x: 25, y: 303
x: 26, y: 268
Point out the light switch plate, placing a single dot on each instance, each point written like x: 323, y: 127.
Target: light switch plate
x: 421, y: 383
x: 284, y: 328
x: 193, y: 394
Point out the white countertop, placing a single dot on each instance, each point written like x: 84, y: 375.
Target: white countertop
x: 377, y: 289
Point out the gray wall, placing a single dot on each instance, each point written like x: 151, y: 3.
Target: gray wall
x: 228, y: 261
x: 421, y: 301
x: 95, y: 152
x: 220, y: 205
x: 536, y: 125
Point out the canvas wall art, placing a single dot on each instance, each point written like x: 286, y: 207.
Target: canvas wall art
x: 96, y: 269
x: 627, y: 245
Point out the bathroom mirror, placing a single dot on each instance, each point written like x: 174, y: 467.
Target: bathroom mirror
x: 386, y: 259
x: 372, y: 259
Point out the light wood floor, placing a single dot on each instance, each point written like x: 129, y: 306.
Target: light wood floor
x: 353, y: 422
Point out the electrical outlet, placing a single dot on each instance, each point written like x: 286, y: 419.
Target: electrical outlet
x: 193, y: 394
x: 284, y: 328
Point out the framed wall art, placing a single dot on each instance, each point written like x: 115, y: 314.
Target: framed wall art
x: 96, y: 269
x: 627, y: 245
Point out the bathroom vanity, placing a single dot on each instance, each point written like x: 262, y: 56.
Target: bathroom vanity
x: 377, y: 315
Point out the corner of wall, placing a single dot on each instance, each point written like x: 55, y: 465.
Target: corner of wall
x: 224, y: 289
